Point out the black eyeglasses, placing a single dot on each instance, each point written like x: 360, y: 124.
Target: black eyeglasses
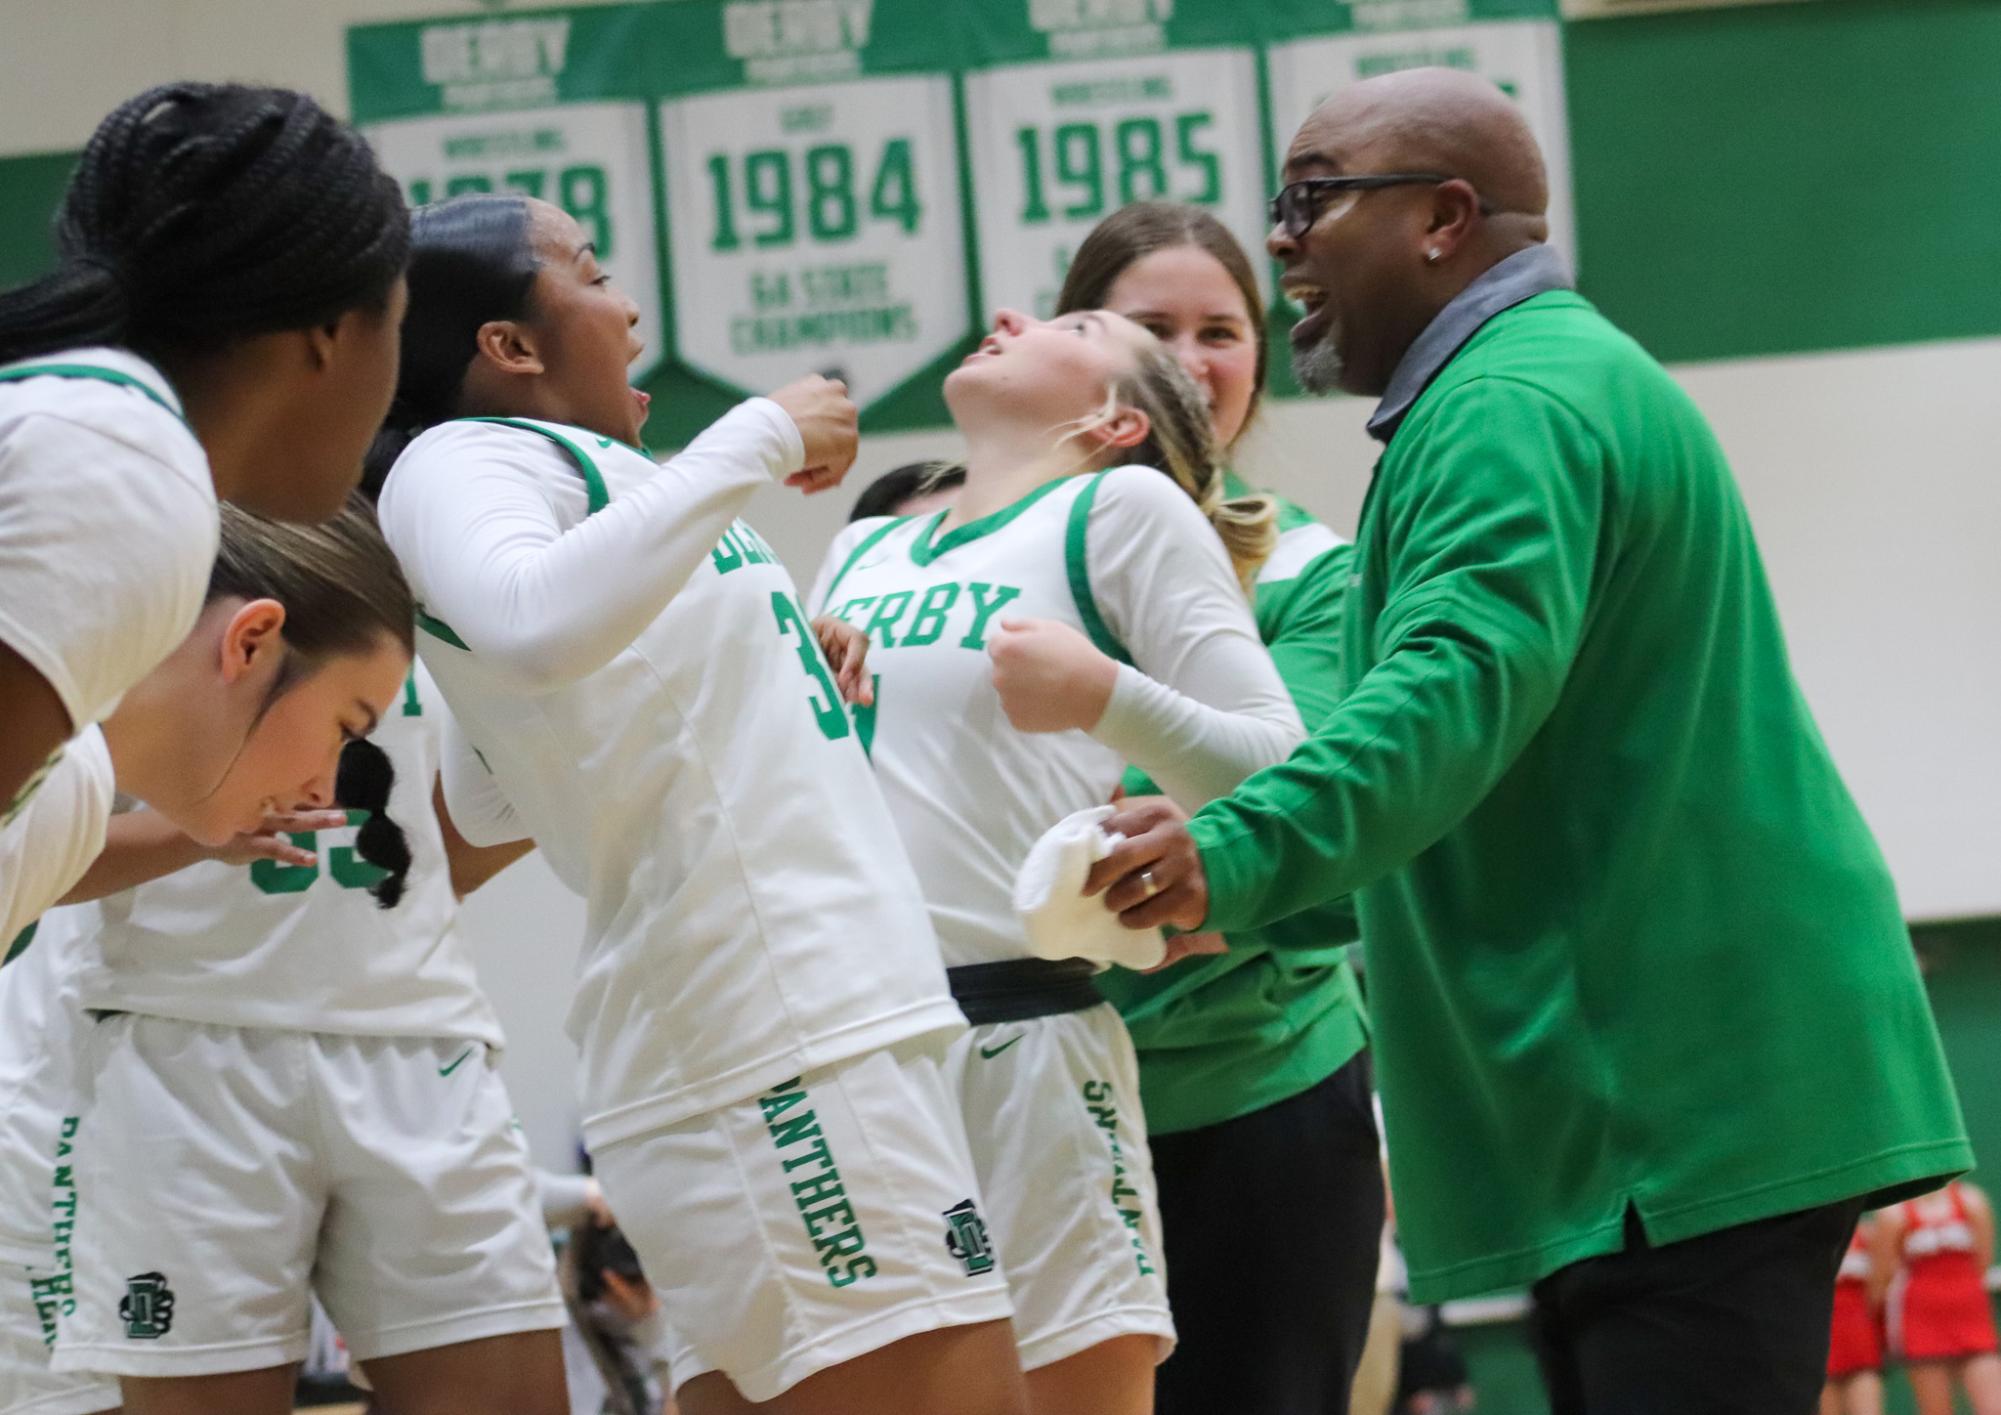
x: 1298, y: 204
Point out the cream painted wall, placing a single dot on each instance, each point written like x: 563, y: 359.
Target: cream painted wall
x: 1871, y: 476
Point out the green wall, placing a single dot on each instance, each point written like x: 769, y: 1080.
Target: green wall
x: 1767, y: 179
x: 1790, y: 177
x: 30, y: 187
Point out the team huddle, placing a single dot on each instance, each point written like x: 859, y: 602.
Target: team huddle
x: 334, y: 578
x: 247, y: 1065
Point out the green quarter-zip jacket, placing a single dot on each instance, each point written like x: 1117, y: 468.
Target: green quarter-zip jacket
x: 1629, y: 941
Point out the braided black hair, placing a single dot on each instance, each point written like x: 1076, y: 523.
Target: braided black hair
x: 203, y: 213
x: 362, y: 784
x: 472, y: 260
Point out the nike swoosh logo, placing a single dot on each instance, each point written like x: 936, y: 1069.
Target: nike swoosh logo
x: 604, y: 442
x: 448, y: 1070
x: 989, y: 1053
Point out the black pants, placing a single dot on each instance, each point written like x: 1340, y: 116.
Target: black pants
x: 1733, y: 1321
x: 1272, y: 1223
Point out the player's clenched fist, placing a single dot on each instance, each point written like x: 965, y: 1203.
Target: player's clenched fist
x: 828, y: 424
x: 1050, y: 677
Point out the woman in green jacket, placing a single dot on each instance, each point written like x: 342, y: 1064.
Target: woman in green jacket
x: 1252, y: 1067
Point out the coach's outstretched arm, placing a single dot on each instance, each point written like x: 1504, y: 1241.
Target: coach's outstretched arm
x: 1496, y: 530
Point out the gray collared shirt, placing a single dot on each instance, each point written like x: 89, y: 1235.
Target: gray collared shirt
x: 1522, y: 276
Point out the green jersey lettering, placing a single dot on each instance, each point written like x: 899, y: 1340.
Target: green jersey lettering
x: 1101, y: 1100
x: 841, y: 1211
x: 864, y: 716
x: 856, y: 1271
x: 741, y: 546
x: 350, y: 871
x: 275, y: 878
x: 984, y: 610
x: 840, y: 1245
x: 821, y: 1198
x: 794, y: 1131
x: 755, y: 548
x: 790, y: 1133
x: 931, y: 612
x: 826, y: 698
x: 887, y: 612
x: 817, y: 1188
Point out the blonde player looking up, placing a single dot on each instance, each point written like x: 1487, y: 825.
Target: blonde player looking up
x: 760, y: 1006
x: 997, y: 714
x: 289, y: 660
x: 277, y: 1012
x: 1251, y: 1062
x: 303, y: 646
x: 221, y: 322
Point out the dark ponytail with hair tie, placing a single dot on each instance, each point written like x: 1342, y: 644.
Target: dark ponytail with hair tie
x: 362, y: 784
x: 343, y: 594
x: 472, y: 260
x: 398, y: 431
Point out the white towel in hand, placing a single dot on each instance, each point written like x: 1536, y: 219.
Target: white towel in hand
x: 1049, y: 896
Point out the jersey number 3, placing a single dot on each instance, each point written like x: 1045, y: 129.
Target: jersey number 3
x: 825, y: 698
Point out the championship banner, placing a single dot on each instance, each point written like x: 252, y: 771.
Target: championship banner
x: 1076, y: 109
x: 854, y: 186
x: 1612, y: 9
x: 810, y: 162
x: 552, y: 106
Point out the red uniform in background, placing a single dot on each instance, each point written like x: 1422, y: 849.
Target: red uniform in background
x: 1857, y: 1341
x: 1939, y: 1310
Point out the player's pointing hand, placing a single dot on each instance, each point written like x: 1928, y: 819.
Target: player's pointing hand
x: 1050, y: 677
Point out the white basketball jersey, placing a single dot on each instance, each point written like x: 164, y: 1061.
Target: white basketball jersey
x: 970, y: 794
x: 57, y: 833
x: 305, y: 947
x: 751, y: 913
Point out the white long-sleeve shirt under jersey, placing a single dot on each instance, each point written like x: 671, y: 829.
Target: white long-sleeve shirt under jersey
x: 631, y: 664
x: 1125, y: 557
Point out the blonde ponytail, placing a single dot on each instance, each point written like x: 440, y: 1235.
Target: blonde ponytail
x: 1181, y: 443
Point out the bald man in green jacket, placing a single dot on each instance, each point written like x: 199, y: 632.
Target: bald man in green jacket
x: 1649, y: 1030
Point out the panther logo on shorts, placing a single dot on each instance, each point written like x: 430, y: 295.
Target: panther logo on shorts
x: 147, y: 1308
x: 966, y: 1238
